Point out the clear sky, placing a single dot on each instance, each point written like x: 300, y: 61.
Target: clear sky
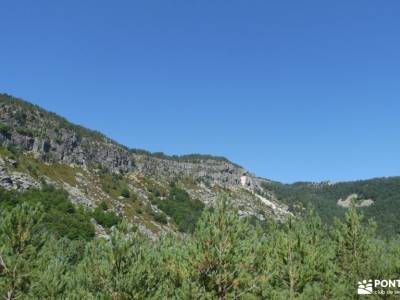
x: 291, y: 90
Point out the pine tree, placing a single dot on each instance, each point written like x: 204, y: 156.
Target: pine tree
x: 121, y: 268
x: 357, y: 252
x: 302, y: 261
x: 20, y: 243
x: 223, y: 254
x: 225, y: 258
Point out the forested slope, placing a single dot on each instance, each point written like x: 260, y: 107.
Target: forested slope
x: 324, y: 197
x: 224, y: 258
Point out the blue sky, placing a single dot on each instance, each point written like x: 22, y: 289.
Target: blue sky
x: 291, y: 90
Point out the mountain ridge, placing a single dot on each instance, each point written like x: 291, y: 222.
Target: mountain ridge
x: 7, y: 98
x: 42, y: 146
x: 38, y: 146
x: 189, y: 157
x: 43, y: 137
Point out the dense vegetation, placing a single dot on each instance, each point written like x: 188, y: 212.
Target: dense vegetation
x: 105, y: 218
x: 180, y: 207
x: 224, y: 258
x: 5, y: 130
x: 385, y: 192
x: 59, y: 216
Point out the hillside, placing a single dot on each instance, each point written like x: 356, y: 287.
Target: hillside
x: 160, y: 193
x: 377, y: 199
x: 157, y: 192
x: 82, y: 217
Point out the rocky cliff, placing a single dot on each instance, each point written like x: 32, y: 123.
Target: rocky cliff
x: 93, y: 167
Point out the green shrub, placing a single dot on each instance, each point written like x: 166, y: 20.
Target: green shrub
x: 184, y: 211
x: 26, y: 131
x: 103, y: 205
x: 160, y: 218
x: 5, y: 130
x: 106, y: 219
x: 125, y: 193
x: 13, y: 150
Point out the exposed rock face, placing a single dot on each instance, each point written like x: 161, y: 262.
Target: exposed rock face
x: 11, y: 180
x: 77, y: 196
x: 51, y: 138
x: 216, y: 172
x: 354, y: 199
x: 279, y: 210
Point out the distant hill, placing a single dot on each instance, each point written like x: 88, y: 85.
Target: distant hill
x: 377, y: 198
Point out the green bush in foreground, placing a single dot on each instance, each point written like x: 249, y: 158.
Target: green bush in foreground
x: 225, y: 258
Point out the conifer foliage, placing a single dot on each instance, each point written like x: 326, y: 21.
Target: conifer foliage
x: 225, y: 257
